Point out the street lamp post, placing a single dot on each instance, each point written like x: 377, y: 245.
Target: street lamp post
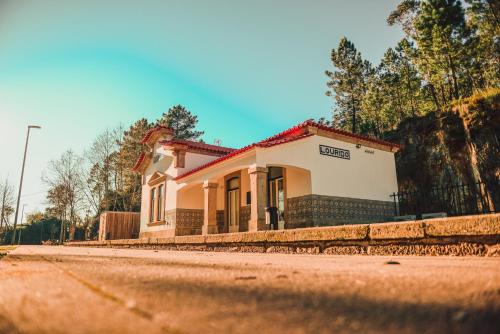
x: 41, y: 232
x: 20, y: 229
x: 21, y: 181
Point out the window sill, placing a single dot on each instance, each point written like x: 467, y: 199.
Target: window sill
x: 157, y: 223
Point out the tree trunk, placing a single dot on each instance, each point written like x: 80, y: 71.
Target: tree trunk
x: 456, y: 93
x: 62, y: 229
x: 410, y: 93
x: 432, y: 89
x: 3, y: 210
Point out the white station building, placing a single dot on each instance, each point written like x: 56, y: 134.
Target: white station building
x: 309, y: 175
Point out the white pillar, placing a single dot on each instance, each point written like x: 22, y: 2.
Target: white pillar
x: 258, y: 190
x: 209, y: 208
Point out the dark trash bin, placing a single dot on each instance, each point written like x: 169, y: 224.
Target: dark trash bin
x: 272, y: 217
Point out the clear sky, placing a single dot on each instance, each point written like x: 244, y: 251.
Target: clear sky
x: 248, y: 69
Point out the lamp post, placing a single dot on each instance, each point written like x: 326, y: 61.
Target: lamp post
x: 20, y: 229
x: 21, y: 181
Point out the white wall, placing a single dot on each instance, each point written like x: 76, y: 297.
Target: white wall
x: 191, y: 198
x: 298, y: 182
x: 165, y: 165
x: 217, y: 171
x: 194, y: 160
x: 364, y: 176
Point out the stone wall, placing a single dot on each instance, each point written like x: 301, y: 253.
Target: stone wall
x: 220, y: 220
x: 188, y: 221
x: 244, y: 218
x: 319, y: 210
x: 458, y: 236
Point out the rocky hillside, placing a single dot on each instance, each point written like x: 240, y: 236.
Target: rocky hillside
x: 460, y: 145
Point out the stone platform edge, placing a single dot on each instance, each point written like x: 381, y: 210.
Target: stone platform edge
x: 461, y: 236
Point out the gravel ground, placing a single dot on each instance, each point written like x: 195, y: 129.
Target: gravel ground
x: 46, y: 289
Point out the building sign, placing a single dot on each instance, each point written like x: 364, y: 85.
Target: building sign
x: 334, y: 152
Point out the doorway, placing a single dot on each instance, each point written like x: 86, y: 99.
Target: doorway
x: 276, y: 191
x: 233, y: 204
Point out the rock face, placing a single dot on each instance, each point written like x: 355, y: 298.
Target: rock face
x: 459, y: 146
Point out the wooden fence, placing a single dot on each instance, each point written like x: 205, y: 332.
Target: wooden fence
x: 115, y: 225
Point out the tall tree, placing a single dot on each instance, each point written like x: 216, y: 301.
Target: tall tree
x: 443, y: 41
x: 182, y: 121
x: 101, y: 158
x: 130, y: 149
x: 484, y: 19
x: 7, y: 201
x: 373, y: 105
x: 65, y: 187
x: 347, y: 83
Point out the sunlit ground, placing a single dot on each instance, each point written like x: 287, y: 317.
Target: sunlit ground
x: 5, y: 249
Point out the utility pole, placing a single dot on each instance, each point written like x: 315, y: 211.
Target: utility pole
x: 21, y: 181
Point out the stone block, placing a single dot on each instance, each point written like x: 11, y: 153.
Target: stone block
x: 400, y: 230
x: 279, y: 236
x: 118, y: 242
x: 341, y: 232
x: 165, y: 241
x: 259, y: 236
x: 189, y: 239
x: 224, y: 238
x: 463, y: 226
x: 144, y: 241
x: 345, y: 250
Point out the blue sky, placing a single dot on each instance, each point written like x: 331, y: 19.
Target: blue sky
x: 248, y: 69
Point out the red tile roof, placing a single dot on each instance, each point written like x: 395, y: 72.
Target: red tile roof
x: 294, y: 133
x: 265, y: 143
x: 199, y: 146
x: 353, y: 135
x: 152, y: 131
x: 139, y: 162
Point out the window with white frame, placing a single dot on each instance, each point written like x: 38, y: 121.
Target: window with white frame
x: 157, y: 198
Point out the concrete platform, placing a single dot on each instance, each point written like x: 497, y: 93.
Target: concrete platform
x: 51, y: 289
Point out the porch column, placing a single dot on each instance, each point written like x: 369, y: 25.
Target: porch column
x: 209, y: 208
x: 258, y: 180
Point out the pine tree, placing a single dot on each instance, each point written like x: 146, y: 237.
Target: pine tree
x: 182, y: 121
x: 373, y: 106
x: 484, y: 19
x: 443, y: 42
x: 130, y: 149
x: 347, y: 83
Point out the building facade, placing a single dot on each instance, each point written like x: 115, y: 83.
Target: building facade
x: 310, y: 175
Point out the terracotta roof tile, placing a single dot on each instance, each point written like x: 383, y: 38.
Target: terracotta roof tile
x: 264, y: 143
x: 199, y: 146
x: 151, y: 131
x: 294, y: 133
x: 139, y: 162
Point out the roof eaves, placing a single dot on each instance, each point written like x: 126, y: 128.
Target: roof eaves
x: 216, y: 161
